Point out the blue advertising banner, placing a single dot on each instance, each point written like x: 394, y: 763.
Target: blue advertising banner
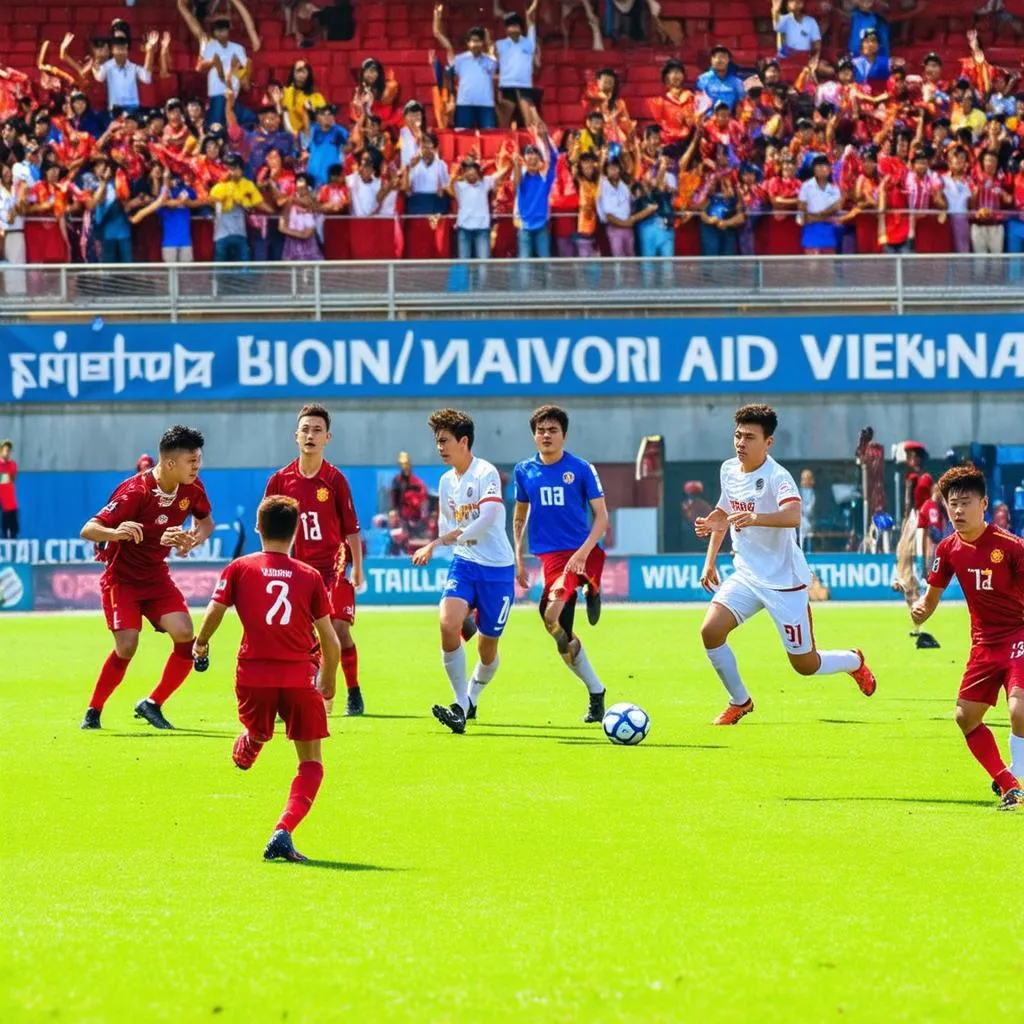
x: 396, y: 581
x: 16, y: 588
x: 126, y: 362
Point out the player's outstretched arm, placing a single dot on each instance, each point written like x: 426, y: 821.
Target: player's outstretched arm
x: 212, y: 619
x: 331, y: 655
x: 716, y: 522
x: 923, y: 608
x: 788, y: 517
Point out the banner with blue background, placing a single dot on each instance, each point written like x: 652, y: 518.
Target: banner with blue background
x: 396, y: 581
x: 613, y: 356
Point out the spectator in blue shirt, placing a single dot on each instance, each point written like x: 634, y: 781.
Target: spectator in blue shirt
x: 326, y: 141
x: 871, y: 66
x: 173, y: 205
x: 253, y: 146
x: 720, y: 83
x: 535, y: 174
x: 863, y: 19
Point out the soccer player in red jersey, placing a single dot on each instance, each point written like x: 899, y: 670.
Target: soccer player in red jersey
x: 328, y: 535
x: 989, y: 563
x: 280, y: 601
x: 140, y: 524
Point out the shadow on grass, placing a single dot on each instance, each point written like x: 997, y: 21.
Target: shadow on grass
x: 886, y: 800
x: 156, y: 733
x: 592, y: 740
x: 411, y: 718
x: 341, y: 865
x: 550, y: 725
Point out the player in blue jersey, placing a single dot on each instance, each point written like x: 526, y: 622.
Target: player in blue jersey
x: 560, y: 508
x: 481, y: 576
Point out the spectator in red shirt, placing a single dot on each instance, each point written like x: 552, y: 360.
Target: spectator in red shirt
x: 9, y: 526
x: 408, y: 494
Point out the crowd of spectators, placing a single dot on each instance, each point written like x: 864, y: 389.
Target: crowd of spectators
x: 856, y: 153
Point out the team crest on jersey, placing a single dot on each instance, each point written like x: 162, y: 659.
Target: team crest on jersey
x: 759, y: 484
x: 183, y: 504
x: 997, y: 556
x: 567, y: 478
x: 322, y: 494
x: 160, y: 520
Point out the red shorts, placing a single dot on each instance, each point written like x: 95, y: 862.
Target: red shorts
x: 994, y: 668
x: 343, y: 600
x: 559, y: 584
x: 124, y: 604
x: 301, y: 707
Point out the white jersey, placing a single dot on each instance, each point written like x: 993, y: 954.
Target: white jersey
x: 766, y: 555
x: 459, y: 501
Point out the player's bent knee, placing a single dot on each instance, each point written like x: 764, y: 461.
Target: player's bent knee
x: 805, y: 664
x: 712, y: 635
x: 126, y: 648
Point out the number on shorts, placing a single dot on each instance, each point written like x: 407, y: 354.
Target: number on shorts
x: 311, y: 526
x: 506, y: 607
x: 794, y: 635
x: 552, y: 496
x: 1017, y: 649
x: 281, y: 603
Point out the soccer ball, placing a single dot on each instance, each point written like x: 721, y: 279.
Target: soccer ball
x: 626, y: 724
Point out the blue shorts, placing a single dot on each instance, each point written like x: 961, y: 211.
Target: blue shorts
x: 490, y: 589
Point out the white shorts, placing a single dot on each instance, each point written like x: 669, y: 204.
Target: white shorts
x: 790, y: 610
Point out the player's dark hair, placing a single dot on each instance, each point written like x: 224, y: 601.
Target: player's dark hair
x: 314, y: 409
x: 965, y: 479
x: 760, y: 415
x: 277, y: 517
x: 458, y: 424
x: 550, y: 412
x: 180, y: 438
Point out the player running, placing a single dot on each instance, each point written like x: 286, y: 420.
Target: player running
x: 760, y: 504
x: 989, y: 564
x: 328, y: 534
x: 137, y: 528
x: 555, y: 494
x: 471, y: 520
x: 280, y: 601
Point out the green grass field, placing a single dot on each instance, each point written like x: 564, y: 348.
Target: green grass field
x: 830, y: 858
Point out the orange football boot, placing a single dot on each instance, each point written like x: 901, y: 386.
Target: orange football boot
x: 733, y: 713
x: 864, y: 677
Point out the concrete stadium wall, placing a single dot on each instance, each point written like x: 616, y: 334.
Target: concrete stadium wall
x: 370, y: 432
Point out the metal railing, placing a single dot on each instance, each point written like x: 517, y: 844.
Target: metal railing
x: 515, y: 288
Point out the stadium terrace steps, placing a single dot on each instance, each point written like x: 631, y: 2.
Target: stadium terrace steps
x: 400, y: 35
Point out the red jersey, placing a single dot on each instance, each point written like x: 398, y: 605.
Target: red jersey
x: 923, y: 485
x: 278, y: 599
x: 8, y: 474
x: 929, y: 516
x: 991, y: 573
x: 140, y: 500
x: 326, y: 515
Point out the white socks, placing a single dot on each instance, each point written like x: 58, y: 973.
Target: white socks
x: 1017, y: 757
x: 482, y: 675
x: 837, y: 661
x: 724, y: 663
x: 582, y: 668
x: 455, y: 666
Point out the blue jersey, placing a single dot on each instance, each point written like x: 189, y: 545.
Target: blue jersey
x: 559, y: 497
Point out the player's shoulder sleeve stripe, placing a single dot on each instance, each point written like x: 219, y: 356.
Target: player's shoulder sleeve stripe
x: 789, y: 501
x: 493, y: 497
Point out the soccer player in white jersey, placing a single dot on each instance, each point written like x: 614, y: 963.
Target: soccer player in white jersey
x: 760, y: 504
x: 471, y: 520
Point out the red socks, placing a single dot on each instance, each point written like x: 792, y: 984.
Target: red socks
x: 111, y: 675
x: 350, y: 667
x: 176, y: 671
x: 986, y: 752
x: 305, y: 786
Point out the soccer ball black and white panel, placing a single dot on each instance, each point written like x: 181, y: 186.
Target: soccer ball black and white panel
x: 626, y: 724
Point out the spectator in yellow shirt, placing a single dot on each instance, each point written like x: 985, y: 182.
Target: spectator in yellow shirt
x: 301, y: 99
x: 232, y: 198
